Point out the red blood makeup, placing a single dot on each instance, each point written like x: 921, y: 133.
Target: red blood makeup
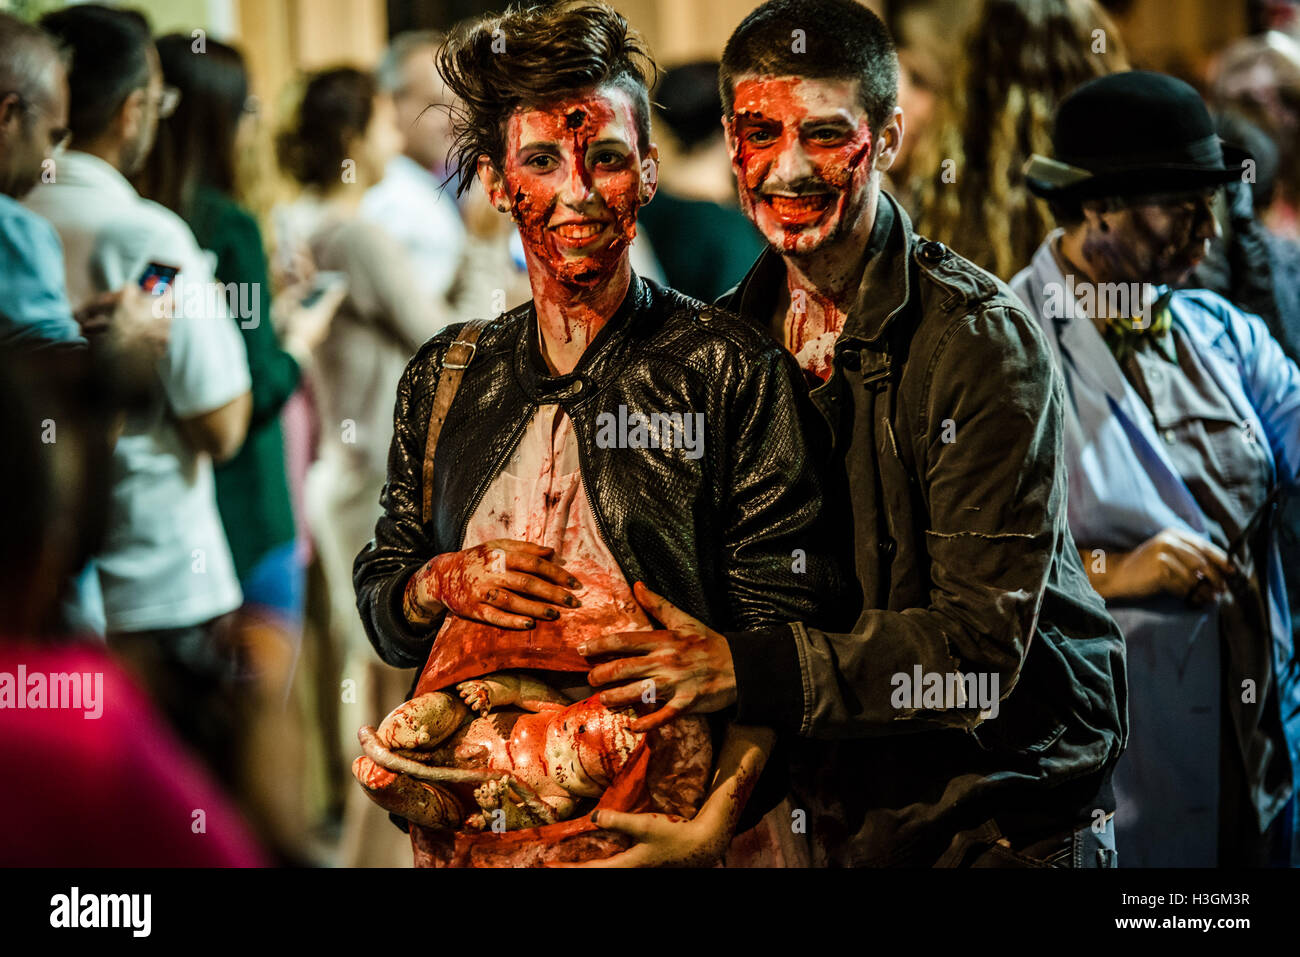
x: 801, y: 149
x: 574, y: 183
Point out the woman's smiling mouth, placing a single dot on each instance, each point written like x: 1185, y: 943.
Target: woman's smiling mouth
x: 578, y: 233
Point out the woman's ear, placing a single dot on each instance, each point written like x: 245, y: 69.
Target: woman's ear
x: 494, y: 184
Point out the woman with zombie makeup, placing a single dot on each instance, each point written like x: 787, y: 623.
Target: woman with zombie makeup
x: 607, y: 443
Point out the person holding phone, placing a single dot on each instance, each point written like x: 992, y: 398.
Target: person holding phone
x: 165, y: 575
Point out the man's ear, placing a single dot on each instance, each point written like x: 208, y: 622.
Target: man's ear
x: 494, y: 184
x: 888, y: 141
x: 649, y: 174
x: 130, y: 116
x: 11, y: 116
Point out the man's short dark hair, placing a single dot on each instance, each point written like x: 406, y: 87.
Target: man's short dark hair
x: 823, y: 39
x: 110, y: 60
x: 533, y: 55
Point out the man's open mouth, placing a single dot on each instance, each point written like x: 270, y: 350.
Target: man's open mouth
x: 799, y: 209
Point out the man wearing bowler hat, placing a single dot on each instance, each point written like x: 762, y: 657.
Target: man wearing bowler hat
x: 1181, y: 430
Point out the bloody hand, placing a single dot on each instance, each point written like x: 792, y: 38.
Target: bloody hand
x: 502, y: 582
x: 686, y: 661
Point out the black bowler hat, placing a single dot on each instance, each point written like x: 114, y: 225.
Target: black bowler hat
x: 1132, y: 134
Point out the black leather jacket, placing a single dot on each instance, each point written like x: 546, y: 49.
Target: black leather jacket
x: 732, y: 536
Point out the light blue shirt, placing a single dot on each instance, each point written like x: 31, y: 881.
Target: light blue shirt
x: 34, y: 308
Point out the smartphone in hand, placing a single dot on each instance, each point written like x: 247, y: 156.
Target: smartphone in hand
x: 157, y: 278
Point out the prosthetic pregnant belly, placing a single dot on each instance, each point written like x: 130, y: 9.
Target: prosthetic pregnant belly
x: 497, y: 766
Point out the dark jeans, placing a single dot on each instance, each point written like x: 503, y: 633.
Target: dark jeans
x: 1080, y: 847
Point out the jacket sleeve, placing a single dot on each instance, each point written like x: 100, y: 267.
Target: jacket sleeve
x: 1272, y: 384
x: 779, y: 564
x: 400, y: 546
x: 994, y: 482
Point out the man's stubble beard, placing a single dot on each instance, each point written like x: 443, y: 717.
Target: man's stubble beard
x: 135, y: 154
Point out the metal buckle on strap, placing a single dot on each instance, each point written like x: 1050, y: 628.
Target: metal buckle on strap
x: 473, y: 348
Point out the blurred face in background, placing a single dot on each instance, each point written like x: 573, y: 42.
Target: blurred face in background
x: 381, y: 142
x: 32, y: 128
x: 422, y: 115
x: 1156, y: 239
x: 918, y: 95
x: 801, y: 149
x: 575, y: 175
x: 140, y: 122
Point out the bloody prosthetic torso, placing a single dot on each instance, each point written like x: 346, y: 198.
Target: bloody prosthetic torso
x: 538, y: 720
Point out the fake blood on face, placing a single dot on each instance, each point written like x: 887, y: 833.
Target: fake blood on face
x: 572, y: 174
x: 800, y: 149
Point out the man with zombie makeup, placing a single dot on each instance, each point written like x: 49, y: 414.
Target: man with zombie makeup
x: 540, y: 520
x: 945, y: 411
x: 1183, y: 422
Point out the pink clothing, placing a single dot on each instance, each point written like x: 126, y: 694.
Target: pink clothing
x: 117, y: 790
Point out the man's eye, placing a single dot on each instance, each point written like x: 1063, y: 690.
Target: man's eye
x: 826, y: 135
x: 609, y: 158
x: 542, y: 162
x: 759, y: 137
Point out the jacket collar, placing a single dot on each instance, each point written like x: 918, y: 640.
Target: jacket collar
x: 1077, y: 333
x: 883, y: 293
x: 598, y: 361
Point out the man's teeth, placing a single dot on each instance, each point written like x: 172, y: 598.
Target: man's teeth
x: 799, y: 203
x: 579, y: 230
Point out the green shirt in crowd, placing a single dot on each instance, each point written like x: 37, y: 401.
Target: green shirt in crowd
x: 252, y: 491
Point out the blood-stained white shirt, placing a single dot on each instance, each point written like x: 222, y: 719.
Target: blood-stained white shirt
x: 538, y: 497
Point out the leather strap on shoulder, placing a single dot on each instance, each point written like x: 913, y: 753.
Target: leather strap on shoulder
x: 454, y: 363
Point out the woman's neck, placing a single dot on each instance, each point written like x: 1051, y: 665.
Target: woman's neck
x: 569, y: 317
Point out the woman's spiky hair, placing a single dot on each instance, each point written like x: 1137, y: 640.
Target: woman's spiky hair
x: 532, y: 55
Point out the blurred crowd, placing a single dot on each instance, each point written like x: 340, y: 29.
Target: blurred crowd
x: 198, y: 386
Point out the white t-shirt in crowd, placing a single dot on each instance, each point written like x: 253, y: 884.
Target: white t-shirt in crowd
x: 166, y: 562
x: 410, y: 205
